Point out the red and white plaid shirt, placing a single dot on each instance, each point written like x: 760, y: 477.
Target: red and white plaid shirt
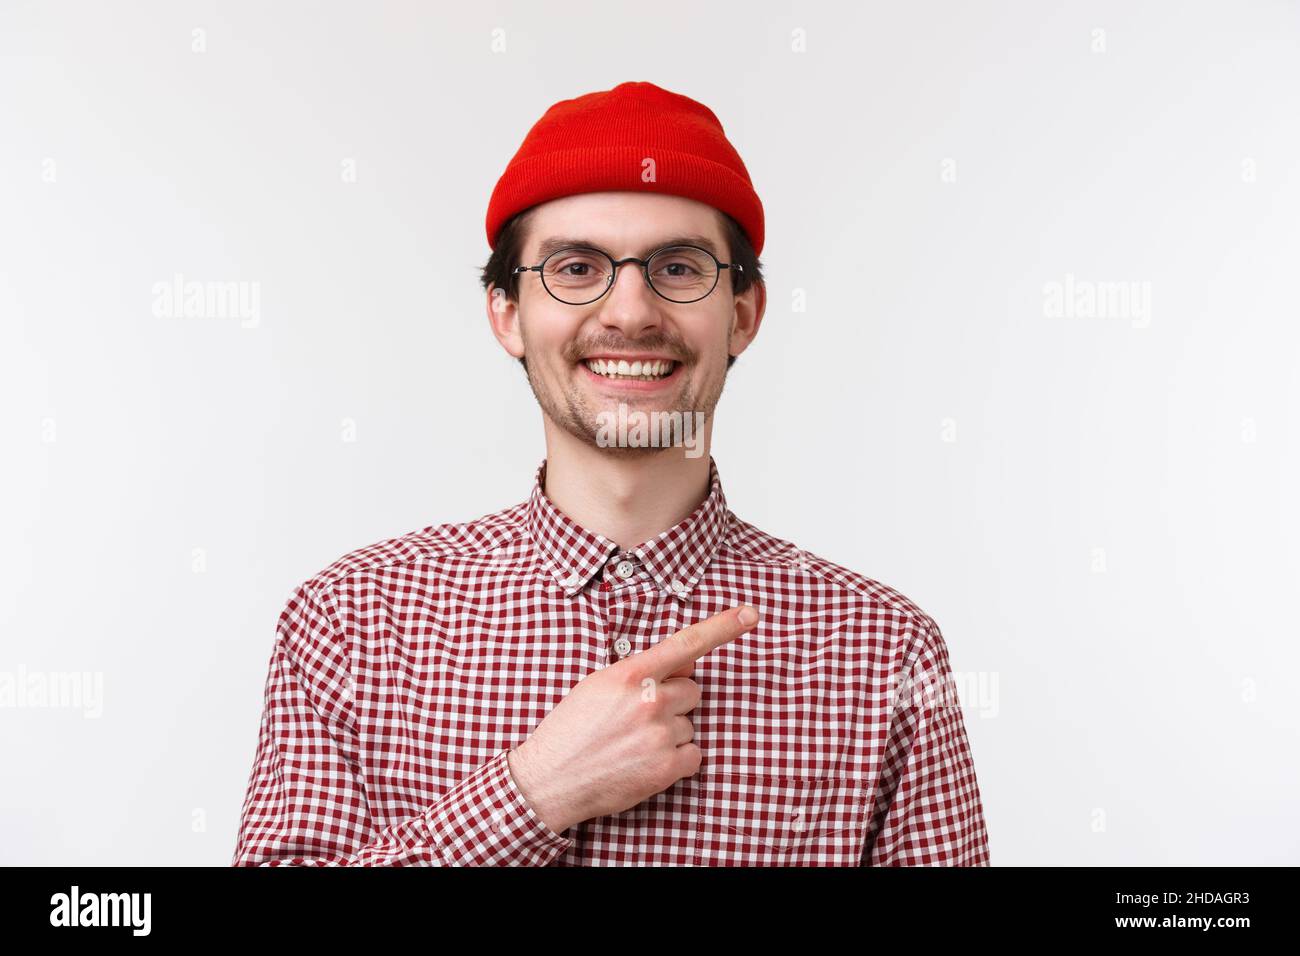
x: 404, y: 673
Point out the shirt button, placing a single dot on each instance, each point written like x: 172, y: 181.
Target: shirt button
x: 623, y: 647
x: 625, y: 569
x: 572, y: 581
x: 678, y: 587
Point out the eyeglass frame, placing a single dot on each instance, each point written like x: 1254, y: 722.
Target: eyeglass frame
x: 645, y: 272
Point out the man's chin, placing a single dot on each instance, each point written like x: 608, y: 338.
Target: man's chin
x: 630, y: 452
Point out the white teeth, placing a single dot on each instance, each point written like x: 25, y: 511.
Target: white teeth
x: 645, y: 371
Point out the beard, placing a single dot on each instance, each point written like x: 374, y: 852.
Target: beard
x: 571, y: 408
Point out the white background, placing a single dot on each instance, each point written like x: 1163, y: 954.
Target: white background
x: 1099, y: 512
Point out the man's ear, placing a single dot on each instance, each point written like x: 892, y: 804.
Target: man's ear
x: 503, y: 316
x: 747, y: 317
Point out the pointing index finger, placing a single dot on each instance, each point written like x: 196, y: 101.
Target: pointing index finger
x: 693, y: 642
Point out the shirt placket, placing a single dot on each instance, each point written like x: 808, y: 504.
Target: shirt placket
x: 629, y: 600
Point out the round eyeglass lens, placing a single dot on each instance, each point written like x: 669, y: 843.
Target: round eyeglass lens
x: 683, y: 273
x: 576, y: 276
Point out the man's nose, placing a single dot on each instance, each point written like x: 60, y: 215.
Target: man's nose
x: 630, y: 304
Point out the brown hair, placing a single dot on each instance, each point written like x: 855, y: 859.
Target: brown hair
x: 498, y: 273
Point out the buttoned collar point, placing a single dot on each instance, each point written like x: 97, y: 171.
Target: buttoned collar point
x: 676, y: 559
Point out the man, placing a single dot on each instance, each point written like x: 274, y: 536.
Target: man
x: 617, y: 670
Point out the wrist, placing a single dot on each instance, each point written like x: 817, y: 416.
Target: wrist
x: 534, y: 792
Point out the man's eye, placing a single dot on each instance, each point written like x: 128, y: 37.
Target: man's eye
x: 574, y: 266
x: 678, y: 270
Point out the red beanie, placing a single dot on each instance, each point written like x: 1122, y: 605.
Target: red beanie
x: 601, y: 141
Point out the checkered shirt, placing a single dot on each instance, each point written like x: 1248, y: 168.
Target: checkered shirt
x: 403, y: 674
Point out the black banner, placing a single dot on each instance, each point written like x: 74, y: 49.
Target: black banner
x: 1176, y: 905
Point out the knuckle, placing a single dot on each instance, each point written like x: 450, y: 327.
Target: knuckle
x: 668, y: 769
x: 693, y: 757
x: 685, y: 637
x: 690, y: 694
x: 625, y: 678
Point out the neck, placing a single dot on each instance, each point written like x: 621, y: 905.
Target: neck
x: 627, y: 498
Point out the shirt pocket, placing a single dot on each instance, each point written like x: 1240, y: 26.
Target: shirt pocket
x: 765, y: 820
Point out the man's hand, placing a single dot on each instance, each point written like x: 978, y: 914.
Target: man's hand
x: 621, y: 734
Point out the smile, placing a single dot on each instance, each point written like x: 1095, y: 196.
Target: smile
x: 648, y: 371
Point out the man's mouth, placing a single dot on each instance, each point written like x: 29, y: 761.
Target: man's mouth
x: 652, y: 370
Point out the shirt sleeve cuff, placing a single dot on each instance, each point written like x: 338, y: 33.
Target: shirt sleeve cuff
x: 485, y: 821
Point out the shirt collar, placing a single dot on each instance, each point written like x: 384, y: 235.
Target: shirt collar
x: 676, y: 558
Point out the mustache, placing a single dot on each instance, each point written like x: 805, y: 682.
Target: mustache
x: 677, y: 351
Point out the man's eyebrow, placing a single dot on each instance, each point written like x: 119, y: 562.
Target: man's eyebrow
x: 555, y: 243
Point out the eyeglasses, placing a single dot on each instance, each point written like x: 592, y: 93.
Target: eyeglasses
x: 579, y: 276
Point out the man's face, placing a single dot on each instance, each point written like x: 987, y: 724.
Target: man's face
x: 560, y: 342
